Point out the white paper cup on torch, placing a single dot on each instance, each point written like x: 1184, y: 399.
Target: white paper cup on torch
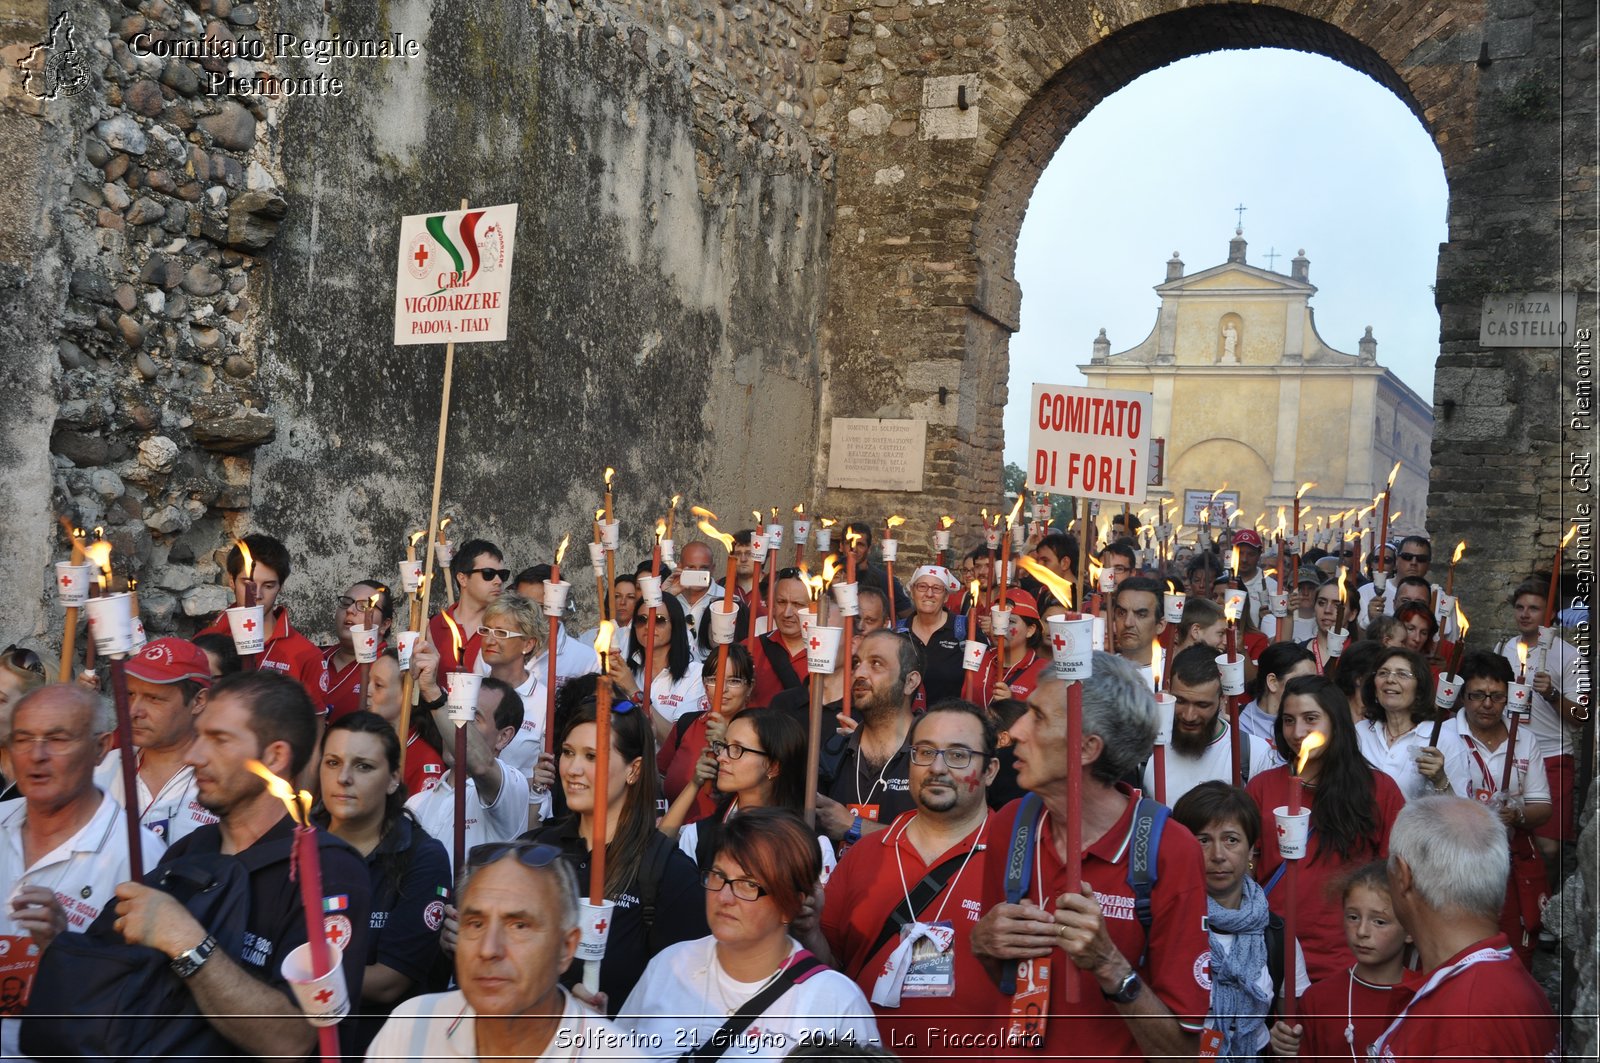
x: 1166, y: 706
x: 1041, y: 511
x: 462, y: 697
x: 1445, y: 692
x: 364, y: 640
x: 1108, y: 580
x: 1380, y: 580
x: 1293, y: 830
x: 1232, y: 674
x: 722, y: 624
x: 1444, y: 608
x: 999, y: 623
x: 443, y: 553
x: 650, y: 591
x: 410, y: 576
x: 1019, y: 535
x: 1336, y: 641
x: 1233, y: 602
x: 774, y: 536
x: 597, y: 558
x: 1172, y: 606
x: 1072, y: 643
x: 808, y: 619
x: 246, y: 624
x: 758, y: 546
x: 941, y: 539
x: 847, y: 597
x: 822, y: 649
x: 824, y: 540
x: 72, y: 582
x: 991, y: 538
x: 1278, y: 604
x: 406, y: 645
x: 555, y: 597
x: 1519, y: 700
x: 802, y: 532
x: 1547, y: 637
x: 137, y: 638
x: 610, y: 535
x: 890, y: 548
x: 1098, y: 629
x: 594, y: 925
x: 324, y: 1000
x: 669, y: 552
x: 972, y: 655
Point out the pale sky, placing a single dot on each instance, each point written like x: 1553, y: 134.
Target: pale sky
x: 1323, y: 157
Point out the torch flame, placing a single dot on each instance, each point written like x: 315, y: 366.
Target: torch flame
x: 774, y: 513
x: 1011, y: 517
x: 945, y: 523
x: 1313, y: 742
x: 895, y: 521
x: 416, y: 537
x: 1343, y: 571
x: 1461, y: 548
x: 281, y: 789
x: 99, y: 553
x: 756, y: 513
x: 675, y: 500
x: 830, y: 569
x: 711, y: 532
x: 701, y: 511
x: 445, y: 523
x: 976, y: 588
x: 1522, y: 655
x: 851, y: 538
x: 1565, y: 539
x: 1231, y: 609
x: 610, y: 472
x: 455, y: 633
x: 599, y: 515
x: 1308, y: 485
x: 1233, y: 560
x: 828, y: 522
x: 1393, y: 472
x: 814, y: 584
x: 244, y: 551
x: 602, y: 643
x: 1461, y: 621
x: 800, y: 510
x: 1061, y: 588
x: 661, y: 529
x: 1205, y: 515
x: 561, y: 551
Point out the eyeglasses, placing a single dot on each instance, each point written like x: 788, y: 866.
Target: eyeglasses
x: 501, y: 633
x: 529, y: 854
x: 56, y: 744
x: 1406, y: 555
x: 21, y: 657
x: 644, y: 614
x: 1393, y: 673
x: 746, y: 889
x: 491, y: 574
x: 1478, y: 697
x: 710, y: 676
x: 734, y: 750
x: 956, y: 757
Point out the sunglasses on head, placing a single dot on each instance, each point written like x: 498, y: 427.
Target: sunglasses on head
x: 528, y: 854
x: 491, y: 574
x: 790, y: 573
x: 24, y: 658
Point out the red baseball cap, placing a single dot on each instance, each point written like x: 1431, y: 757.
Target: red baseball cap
x: 1247, y: 537
x: 1024, y: 604
x: 169, y: 660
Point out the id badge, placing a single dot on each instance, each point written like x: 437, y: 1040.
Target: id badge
x: 19, y: 962
x: 1210, y: 1044
x: 1030, y: 1004
x: 868, y: 812
x: 932, y: 972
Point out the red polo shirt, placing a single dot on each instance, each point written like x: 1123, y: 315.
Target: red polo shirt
x: 439, y: 635
x: 767, y: 684
x: 338, y: 690
x: 866, y: 888
x: 286, y: 651
x: 1179, y: 949
x: 1345, y: 1000
x: 1320, y: 909
x: 1479, y: 1004
x: 424, y: 767
x: 1023, y: 674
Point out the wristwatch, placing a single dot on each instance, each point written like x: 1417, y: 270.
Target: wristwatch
x: 853, y: 835
x: 189, y: 961
x: 1127, y: 990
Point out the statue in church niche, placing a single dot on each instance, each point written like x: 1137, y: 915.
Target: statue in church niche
x: 1230, y: 344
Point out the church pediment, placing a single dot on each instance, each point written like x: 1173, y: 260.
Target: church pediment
x: 1236, y: 276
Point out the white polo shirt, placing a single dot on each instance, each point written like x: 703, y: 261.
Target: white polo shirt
x: 1569, y: 676
x: 172, y: 813
x: 1476, y: 770
x: 1215, y: 764
x: 672, y: 698
x: 502, y: 821
x: 1398, y: 759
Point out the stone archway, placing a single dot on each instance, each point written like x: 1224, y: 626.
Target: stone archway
x: 947, y: 113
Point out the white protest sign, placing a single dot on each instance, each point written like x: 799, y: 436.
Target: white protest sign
x: 1089, y: 442
x: 453, y: 279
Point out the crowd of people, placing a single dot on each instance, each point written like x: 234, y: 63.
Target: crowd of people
x: 946, y: 872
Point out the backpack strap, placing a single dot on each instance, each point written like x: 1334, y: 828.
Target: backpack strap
x: 778, y: 657
x: 1019, y: 869
x: 707, y: 835
x: 909, y: 907
x: 651, y: 868
x: 802, y: 966
x: 681, y: 726
x: 1273, y: 935
x: 1149, y: 820
x: 1276, y: 875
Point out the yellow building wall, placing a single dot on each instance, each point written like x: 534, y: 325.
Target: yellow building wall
x: 1323, y: 442
x: 1260, y: 323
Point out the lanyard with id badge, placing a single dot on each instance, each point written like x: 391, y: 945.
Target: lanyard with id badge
x: 923, y: 964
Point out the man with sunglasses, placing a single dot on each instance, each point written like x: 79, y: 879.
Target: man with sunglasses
x: 518, y: 935
x: 287, y: 650
x: 900, y: 907
x: 1413, y: 556
x: 479, y: 572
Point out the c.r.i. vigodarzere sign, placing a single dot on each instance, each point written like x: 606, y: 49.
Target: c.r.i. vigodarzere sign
x: 453, y: 280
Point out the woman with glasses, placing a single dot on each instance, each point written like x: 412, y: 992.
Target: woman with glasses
x: 937, y: 631
x: 749, y: 974
x: 363, y: 802
x: 1352, y: 808
x: 512, y: 634
x: 759, y: 763
x: 652, y: 883
x: 677, y: 687
x: 1399, y: 722
x: 688, y: 739
x: 339, y: 690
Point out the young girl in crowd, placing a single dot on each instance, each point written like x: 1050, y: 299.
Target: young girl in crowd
x: 686, y: 741
x: 1327, y: 613
x: 1279, y: 663
x: 1352, y: 810
x: 1344, y: 1013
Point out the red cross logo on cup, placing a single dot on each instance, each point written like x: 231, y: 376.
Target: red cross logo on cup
x: 249, y: 625
x: 322, y: 996
x: 1282, y: 830
x: 816, y: 643
x: 1058, y: 642
x: 600, y: 927
x: 370, y: 641
x: 66, y: 581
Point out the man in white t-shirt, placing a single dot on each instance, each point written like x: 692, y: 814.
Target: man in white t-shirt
x: 1413, y: 557
x: 1202, y: 742
x: 64, y: 844
x: 497, y: 794
x: 167, y: 686
x: 519, y: 932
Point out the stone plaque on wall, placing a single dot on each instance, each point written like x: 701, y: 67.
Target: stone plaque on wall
x: 1527, y: 319
x: 874, y: 454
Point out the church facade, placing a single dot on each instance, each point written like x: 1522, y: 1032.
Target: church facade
x: 1252, y: 403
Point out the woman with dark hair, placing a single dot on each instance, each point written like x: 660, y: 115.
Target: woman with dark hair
x: 1279, y: 663
x: 689, y: 738
x: 363, y: 802
x: 1247, y: 940
x: 221, y: 652
x: 338, y: 689
x: 1027, y: 655
x: 749, y: 967
x: 676, y: 688
x: 760, y: 762
x: 652, y: 883
x: 1251, y: 642
x: 1399, y: 715
x: 1326, y: 606
x: 1352, y: 810
x: 1359, y: 661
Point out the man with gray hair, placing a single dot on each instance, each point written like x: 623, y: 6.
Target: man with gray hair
x: 1138, y: 954
x: 63, y: 846
x: 1448, y: 863
x: 518, y: 933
